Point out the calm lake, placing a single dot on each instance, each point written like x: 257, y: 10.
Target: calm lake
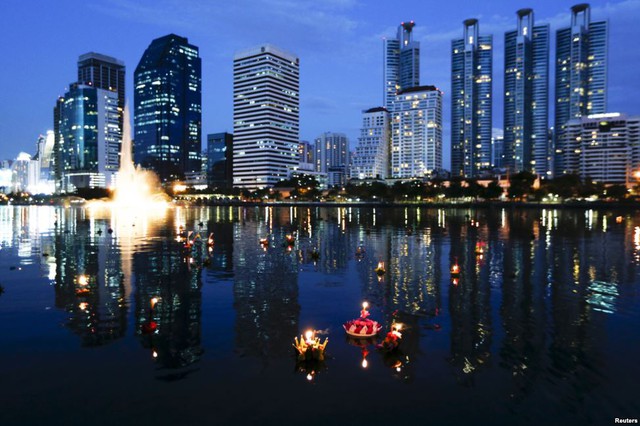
x: 106, y: 318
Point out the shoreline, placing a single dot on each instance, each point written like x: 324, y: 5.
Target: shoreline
x: 602, y: 205
x: 195, y: 201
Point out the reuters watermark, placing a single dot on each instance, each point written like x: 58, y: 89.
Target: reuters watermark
x: 625, y: 420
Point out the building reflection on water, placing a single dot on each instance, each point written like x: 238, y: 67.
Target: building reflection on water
x: 532, y: 303
x: 265, y: 287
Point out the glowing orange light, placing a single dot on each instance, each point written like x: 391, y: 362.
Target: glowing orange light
x: 83, y: 280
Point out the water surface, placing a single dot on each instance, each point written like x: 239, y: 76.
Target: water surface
x: 541, y: 327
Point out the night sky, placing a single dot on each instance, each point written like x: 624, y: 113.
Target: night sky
x: 339, y: 43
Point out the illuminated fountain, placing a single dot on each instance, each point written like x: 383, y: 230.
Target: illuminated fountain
x: 136, y: 187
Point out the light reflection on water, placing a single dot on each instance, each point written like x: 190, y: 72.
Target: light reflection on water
x: 538, y: 322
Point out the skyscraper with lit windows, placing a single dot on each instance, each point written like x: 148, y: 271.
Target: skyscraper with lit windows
x: 416, y: 132
x: 103, y: 72
x: 581, y: 77
x: 401, y: 63
x: 167, y: 108
x: 526, y: 96
x: 471, y: 101
x: 266, y: 102
x: 371, y: 158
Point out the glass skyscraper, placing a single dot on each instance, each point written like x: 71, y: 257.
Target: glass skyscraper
x: 401, y: 63
x: 266, y: 111
x: 87, y: 146
x: 103, y: 72
x: 471, y: 101
x: 581, y: 77
x: 526, y: 96
x: 220, y: 160
x: 167, y: 108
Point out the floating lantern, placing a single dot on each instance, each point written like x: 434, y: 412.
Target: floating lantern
x: 153, y: 302
x: 619, y: 219
x: 264, y: 242
x: 380, y: 270
x: 210, y: 240
x: 455, y: 269
x: 480, y: 249
x: 392, y: 339
x: 83, y: 282
x: 363, y: 326
x: 290, y: 239
x: 455, y: 281
x: 309, y: 347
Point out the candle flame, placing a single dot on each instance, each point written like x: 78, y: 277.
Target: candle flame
x: 365, y: 305
x: 365, y: 363
x: 83, y: 280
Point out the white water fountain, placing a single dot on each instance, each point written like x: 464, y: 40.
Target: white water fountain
x: 135, y: 187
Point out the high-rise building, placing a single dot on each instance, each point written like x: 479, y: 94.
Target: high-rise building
x: 57, y: 162
x: 306, y: 154
x: 471, y: 101
x: 371, y: 158
x: 581, y: 76
x: 401, y: 63
x: 497, y: 150
x: 266, y: 101
x: 603, y: 147
x: 219, y: 160
x: 416, y: 132
x: 526, y: 96
x: 103, y: 72
x: 332, y: 157
x: 25, y: 174
x: 167, y: 108
x: 44, y: 156
x: 88, y: 143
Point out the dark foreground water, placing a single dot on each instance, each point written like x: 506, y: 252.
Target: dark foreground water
x: 542, y: 328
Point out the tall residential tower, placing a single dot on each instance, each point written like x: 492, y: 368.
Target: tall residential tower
x: 167, y: 108
x: 526, y: 96
x: 266, y: 101
x: 581, y: 77
x: 401, y: 63
x: 371, y: 159
x: 471, y: 101
x: 416, y: 132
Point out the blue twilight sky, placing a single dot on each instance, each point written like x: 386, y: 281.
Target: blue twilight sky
x: 339, y: 43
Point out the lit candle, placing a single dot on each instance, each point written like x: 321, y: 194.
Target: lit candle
x: 83, y: 280
x: 364, y: 313
x: 309, y: 337
x: 154, y: 301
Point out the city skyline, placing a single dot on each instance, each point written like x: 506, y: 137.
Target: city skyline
x: 332, y: 97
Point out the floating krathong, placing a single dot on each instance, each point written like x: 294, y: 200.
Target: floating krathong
x: 83, y: 283
x: 264, y: 242
x: 309, y: 347
x: 380, y: 270
x: 290, y: 239
x: 210, y: 241
x: 392, y: 339
x: 455, y: 269
x: 363, y: 326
